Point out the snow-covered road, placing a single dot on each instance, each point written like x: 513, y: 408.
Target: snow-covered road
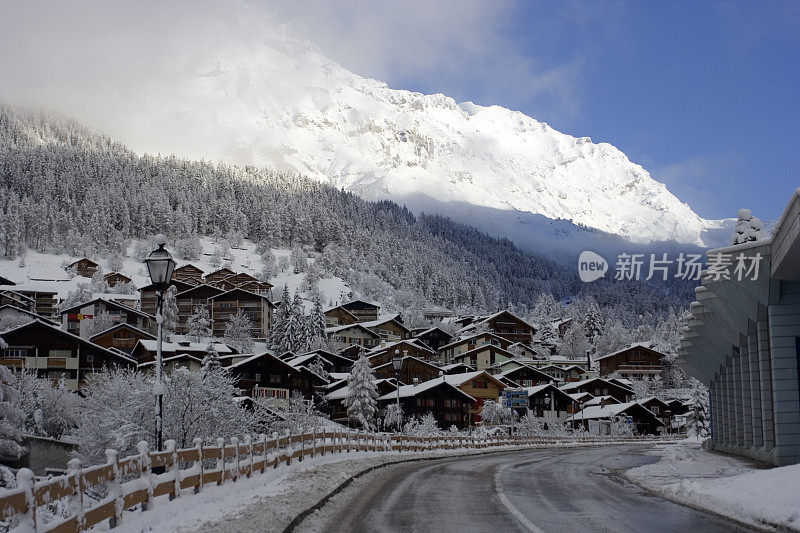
x: 560, y: 489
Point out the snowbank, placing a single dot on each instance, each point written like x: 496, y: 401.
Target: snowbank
x: 768, y: 499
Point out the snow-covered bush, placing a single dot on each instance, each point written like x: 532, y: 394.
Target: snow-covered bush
x: 298, y: 415
x: 529, y: 425
x: 394, y: 417
x: 494, y: 414
x: 620, y: 427
x: 199, y: 323
x: 49, y: 410
x: 189, y: 248
x: 425, y: 426
x: 11, y: 417
x: 238, y: 332
x: 748, y: 228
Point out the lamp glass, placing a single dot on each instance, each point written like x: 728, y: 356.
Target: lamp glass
x: 397, y: 362
x: 160, y: 266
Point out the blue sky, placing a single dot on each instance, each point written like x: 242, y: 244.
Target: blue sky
x: 702, y: 94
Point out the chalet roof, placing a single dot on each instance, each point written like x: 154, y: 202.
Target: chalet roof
x: 118, y: 275
x: 17, y: 294
x: 342, y: 392
x: 126, y: 326
x: 72, y: 336
x: 31, y: 314
x: 40, y: 286
x: 646, y: 346
x: 578, y: 384
x: 507, y: 373
x: 150, y: 346
x: 485, y: 320
x: 5, y: 281
x: 241, y: 275
x: 176, y: 357
x: 596, y: 412
x: 180, y: 286
x: 341, y: 309
x: 363, y: 303
x: 533, y: 391
x: 188, y: 266
x: 653, y: 399
x: 82, y: 260
x: 204, y: 286
x: 110, y: 303
x: 462, y: 340
x: 220, y: 271
x: 453, y: 366
x: 578, y: 396
x: 302, y: 359
x: 418, y: 332
x: 265, y: 354
x: 240, y: 290
x: 483, y: 347
x: 358, y: 325
x: 409, y: 391
x: 425, y: 363
x: 383, y: 320
x: 598, y: 400
x: 389, y: 345
x: 460, y: 379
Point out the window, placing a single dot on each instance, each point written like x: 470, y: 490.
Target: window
x: 15, y: 352
x: 480, y: 384
x: 451, y: 404
x: 274, y: 379
x: 59, y: 353
x: 425, y: 402
x: 90, y: 359
x: 654, y: 409
x: 258, y: 377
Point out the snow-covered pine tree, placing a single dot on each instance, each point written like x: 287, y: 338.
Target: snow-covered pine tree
x: 170, y: 310
x: 361, y: 400
x: 593, y: 321
x: 199, y: 323
x: 11, y: 417
x: 99, y: 283
x: 394, y: 417
x: 748, y: 228
x: 295, y: 326
x: 238, y: 332
x: 575, y: 344
x: 211, y: 359
x: 100, y: 322
x: 277, y: 335
x: 698, y: 419
x: 316, y: 322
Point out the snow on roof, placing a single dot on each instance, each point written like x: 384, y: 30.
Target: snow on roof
x: 597, y: 400
x: 578, y: 395
x: 117, y: 305
x: 464, y: 339
x: 341, y: 393
x: 505, y: 373
x: 645, y: 345
x: 595, y: 412
x: 339, y: 375
x: 360, y: 325
x: 151, y: 345
x: 577, y: 384
x: 300, y: 359
x: 409, y: 391
x: 176, y: 357
x: 382, y: 320
x: 383, y: 347
x: 455, y: 365
x: 460, y: 379
x: 123, y: 325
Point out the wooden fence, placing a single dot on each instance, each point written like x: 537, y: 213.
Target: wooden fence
x: 136, y: 480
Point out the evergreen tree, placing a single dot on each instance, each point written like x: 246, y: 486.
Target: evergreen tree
x: 316, y: 322
x: 238, y: 332
x: 278, y: 335
x: 199, y: 323
x: 170, y: 309
x: 361, y: 400
x: 698, y: 419
x: 574, y: 345
x: 11, y: 418
x: 211, y: 359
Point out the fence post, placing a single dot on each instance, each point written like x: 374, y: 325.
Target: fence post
x: 115, y: 487
x: 248, y: 441
x: 174, y: 468
x: 25, y: 482
x: 145, y: 471
x: 314, y: 441
x: 302, y: 445
x: 288, y: 446
x: 198, y: 444
x: 221, y: 460
x: 235, y: 442
x: 75, y: 502
x: 277, y: 447
x: 264, y: 453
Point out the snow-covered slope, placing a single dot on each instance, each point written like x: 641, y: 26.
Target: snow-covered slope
x: 261, y: 95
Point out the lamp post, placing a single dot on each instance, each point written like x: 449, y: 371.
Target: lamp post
x: 397, y: 363
x: 160, y: 266
x: 547, y: 401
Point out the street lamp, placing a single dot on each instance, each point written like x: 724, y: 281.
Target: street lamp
x: 397, y: 363
x: 160, y: 266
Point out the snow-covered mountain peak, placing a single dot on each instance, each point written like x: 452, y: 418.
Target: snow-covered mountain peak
x: 263, y: 95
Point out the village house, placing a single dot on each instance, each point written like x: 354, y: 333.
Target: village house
x: 334, y: 400
x: 449, y: 351
x: 433, y: 337
x: 218, y: 275
x: 17, y: 316
x: 456, y: 368
x: 18, y: 300
x: 192, y: 363
x: 363, y: 311
x: 413, y: 369
x: 75, y: 319
x: 389, y: 328
x: 112, y: 278
x: 638, y: 361
x: 597, y: 419
x: 659, y: 408
x: 354, y: 334
x: 44, y: 295
x: 188, y: 301
x: 83, y: 267
x: 506, y: 325
x: 352, y: 352
x: 339, y: 316
x: 145, y: 349
x: 481, y: 386
x: 523, y: 376
x: 148, y: 299
x: 263, y: 376
x: 385, y: 352
x: 599, y: 387
x: 122, y: 336
x: 550, y: 403
x: 447, y: 403
x: 483, y: 357
x: 338, y: 362
x: 258, y: 308
x: 188, y: 273
x: 52, y: 353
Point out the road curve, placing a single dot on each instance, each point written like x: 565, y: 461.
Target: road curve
x: 546, y: 490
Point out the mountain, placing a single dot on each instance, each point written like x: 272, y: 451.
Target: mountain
x: 267, y: 97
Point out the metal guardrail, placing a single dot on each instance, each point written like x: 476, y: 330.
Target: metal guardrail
x: 131, y: 481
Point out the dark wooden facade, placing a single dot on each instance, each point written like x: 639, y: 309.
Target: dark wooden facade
x: 188, y: 300
x: 148, y: 299
x: 84, y: 267
x: 363, y: 311
x: 188, y: 273
x: 112, y: 278
x: 122, y: 337
x: 73, y: 318
x: 381, y: 355
x: 412, y: 368
x: 433, y: 337
x: 599, y: 387
x: 448, y: 405
x: 257, y: 307
x: 525, y: 376
x: 339, y: 316
x: 634, y: 362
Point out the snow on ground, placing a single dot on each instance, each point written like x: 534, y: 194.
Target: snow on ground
x: 727, y: 485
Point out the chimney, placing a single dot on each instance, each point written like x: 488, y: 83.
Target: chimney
x: 416, y: 381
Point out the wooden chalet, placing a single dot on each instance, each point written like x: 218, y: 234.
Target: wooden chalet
x: 448, y: 404
x: 258, y: 308
x: 149, y: 300
x: 339, y: 316
x: 263, y: 376
x: 74, y: 318
x: 16, y: 299
x: 44, y: 297
x: 169, y: 364
x: 83, y: 267
x: 218, y: 275
x: 412, y: 369
x: 548, y: 402
x: 480, y: 385
x: 385, y: 352
x: 506, y: 325
x: 597, y: 418
x: 145, y: 349
x: 659, y: 408
x: 354, y: 334
x: 363, y: 311
x: 52, y: 353
x: 247, y: 282
x: 189, y: 299
x: 334, y: 399
x: 599, y: 387
x: 634, y: 362
x: 523, y: 376
x: 188, y: 273
x: 19, y: 315
x: 112, y: 278
x: 339, y: 363
x: 456, y: 368
x: 433, y: 337
x: 352, y: 352
x: 389, y: 328
x: 449, y: 351
x: 526, y: 351
x: 483, y: 357
x: 122, y: 336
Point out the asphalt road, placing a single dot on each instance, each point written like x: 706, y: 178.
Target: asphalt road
x: 551, y: 490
